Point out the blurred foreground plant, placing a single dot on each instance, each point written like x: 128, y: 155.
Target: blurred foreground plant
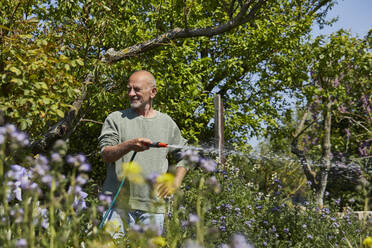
x: 217, y: 206
x: 41, y: 207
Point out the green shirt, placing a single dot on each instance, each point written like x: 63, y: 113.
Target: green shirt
x: 124, y: 125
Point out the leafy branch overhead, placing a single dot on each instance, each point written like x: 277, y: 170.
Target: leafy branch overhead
x: 247, y: 13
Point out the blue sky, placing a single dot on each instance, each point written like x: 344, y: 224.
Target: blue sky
x: 353, y: 15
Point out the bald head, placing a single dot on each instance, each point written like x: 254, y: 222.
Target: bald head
x: 141, y: 91
x: 143, y: 75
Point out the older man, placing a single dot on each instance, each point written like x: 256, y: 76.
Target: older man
x: 133, y: 130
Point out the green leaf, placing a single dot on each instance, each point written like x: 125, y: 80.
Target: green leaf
x: 60, y: 113
x: 15, y: 70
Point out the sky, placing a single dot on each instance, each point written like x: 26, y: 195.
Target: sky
x: 354, y: 16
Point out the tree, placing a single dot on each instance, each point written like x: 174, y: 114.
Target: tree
x: 337, y: 95
x: 83, y: 31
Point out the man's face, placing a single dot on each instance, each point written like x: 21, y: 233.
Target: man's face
x: 140, y: 90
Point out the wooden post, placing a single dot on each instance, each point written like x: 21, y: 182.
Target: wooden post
x: 219, y: 123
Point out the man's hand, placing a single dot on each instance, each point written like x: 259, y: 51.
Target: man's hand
x: 140, y: 144
x: 165, y: 189
x: 111, y: 154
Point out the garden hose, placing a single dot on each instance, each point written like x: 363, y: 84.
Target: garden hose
x: 155, y: 144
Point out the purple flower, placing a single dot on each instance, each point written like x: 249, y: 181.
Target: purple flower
x: 105, y: 198
x: 184, y: 223
x: 101, y: 209
x: 191, y: 156
x: 81, y: 158
x: 137, y: 228
x: 239, y: 241
x: 85, y: 167
x: 41, y: 169
x: 326, y: 210
x: 151, y: 178
x: 71, y: 160
x: 309, y: 236
x: 16, y: 172
x: 18, y: 193
x: 44, y: 217
x: 193, y: 218
x: 208, y: 165
x: 10, y: 128
x: 81, y: 180
x: 47, y: 179
x: 21, y: 243
x: 286, y: 230
x: 192, y: 244
x: 55, y: 157
x: 42, y: 160
x: 79, y: 202
x: 223, y: 228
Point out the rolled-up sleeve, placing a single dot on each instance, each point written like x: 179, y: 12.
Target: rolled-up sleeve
x: 109, y: 134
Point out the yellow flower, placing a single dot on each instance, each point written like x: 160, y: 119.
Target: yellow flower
x: 132, y: 172
x: 167, y: 180
x: 112, y: 226
x: 368, y: 242
x: 158, y: 241
x: 101, y: 244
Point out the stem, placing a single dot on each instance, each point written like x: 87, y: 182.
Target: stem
x: 199, y: 211
x: 2, y: 159
x: 73, y: 213
x: 32, y: 227
x: 51, y: 214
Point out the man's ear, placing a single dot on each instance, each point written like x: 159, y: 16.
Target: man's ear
x: 153, y: 92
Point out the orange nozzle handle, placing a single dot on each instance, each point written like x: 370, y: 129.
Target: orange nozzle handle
x: 158, y: 144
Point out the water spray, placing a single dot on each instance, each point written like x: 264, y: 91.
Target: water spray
x: 153, y: 145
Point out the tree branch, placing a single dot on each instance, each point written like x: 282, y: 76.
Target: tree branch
x: 309, y: 173
x: 89, y: 120
x: 181, y: 33
x: 66, y: 126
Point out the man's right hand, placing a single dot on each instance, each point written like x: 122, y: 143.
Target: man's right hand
x: 140, y: 144
x: 111, y: 154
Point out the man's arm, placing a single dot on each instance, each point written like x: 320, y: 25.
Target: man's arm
x: 180, y: 174
x: 111, y: 154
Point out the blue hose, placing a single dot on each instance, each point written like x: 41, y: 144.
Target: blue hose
x: 116, y: 195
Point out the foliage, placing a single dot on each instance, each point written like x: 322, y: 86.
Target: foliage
x: 37, y: 80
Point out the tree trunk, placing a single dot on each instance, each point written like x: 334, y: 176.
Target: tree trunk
x: 327, y: 155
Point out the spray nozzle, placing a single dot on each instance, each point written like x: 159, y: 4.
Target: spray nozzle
x: 158, y: 144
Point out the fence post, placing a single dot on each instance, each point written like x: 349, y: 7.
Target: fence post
x: 219, y: 127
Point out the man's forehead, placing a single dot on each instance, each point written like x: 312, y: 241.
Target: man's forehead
x: 141, y: 75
